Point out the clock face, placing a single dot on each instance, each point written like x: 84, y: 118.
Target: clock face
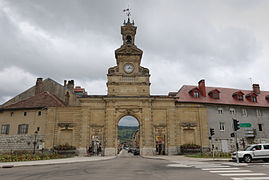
x: 128, y: 68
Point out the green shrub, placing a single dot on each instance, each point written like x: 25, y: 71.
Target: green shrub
x: 12, y: 157
x: 64, y: 147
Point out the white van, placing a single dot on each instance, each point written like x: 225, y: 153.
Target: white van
x: 253, y: 152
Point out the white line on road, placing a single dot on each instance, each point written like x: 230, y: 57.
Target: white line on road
x: 213, y: 169
x: 232, y: 171
x: 250, y: 178
x: 244, y: 174
x: 177, y: 165
x: 212, y: 166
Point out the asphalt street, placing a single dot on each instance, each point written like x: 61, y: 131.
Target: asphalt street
x: 129, y: 167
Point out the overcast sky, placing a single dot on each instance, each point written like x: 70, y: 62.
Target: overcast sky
x: 225, y: 42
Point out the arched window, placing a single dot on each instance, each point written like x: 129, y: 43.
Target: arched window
x: 128, y: 39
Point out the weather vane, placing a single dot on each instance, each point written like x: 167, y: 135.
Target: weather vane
x: 128, y: 13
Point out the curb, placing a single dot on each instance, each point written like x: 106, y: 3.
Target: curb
x: 50, y: 162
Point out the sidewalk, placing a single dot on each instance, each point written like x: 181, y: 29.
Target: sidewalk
x: 184, y: 159
x: 54, y: 161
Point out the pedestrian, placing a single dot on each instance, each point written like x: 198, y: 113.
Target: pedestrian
x: 99, y: 149
x: 90, y: 151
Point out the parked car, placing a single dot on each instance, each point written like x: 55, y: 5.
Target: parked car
x: 136, y: 151
x: 253, y: 152
x: 130, y: 150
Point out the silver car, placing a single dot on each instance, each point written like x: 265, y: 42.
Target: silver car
x: 253, y: 152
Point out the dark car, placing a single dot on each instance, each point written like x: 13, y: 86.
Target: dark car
x: 130, y: 150
x: 136, y: 151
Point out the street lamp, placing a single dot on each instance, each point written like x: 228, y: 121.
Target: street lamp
x: 35, y: 142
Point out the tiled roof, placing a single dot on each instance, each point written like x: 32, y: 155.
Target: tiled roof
x: 41, y: 100
x: 225, y: 97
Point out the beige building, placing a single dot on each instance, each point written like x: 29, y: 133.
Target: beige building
x: 80, y: 119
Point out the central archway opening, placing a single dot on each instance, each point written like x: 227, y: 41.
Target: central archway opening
x: 129, y: 135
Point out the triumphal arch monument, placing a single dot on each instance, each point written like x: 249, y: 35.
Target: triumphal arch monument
x: 161, y: 118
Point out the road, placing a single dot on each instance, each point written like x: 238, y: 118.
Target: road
x: 129, y: 167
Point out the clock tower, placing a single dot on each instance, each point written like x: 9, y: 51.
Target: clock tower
x: 128, y: 78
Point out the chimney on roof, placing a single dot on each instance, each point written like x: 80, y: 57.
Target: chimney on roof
x: 66, y: 98
x: 38, y: 85
x: 70, y: 85
x: 256, y: 88
x: 64, y: 83
x: 201, y: 87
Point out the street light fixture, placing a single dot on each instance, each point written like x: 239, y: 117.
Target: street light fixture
x: 35, y: 141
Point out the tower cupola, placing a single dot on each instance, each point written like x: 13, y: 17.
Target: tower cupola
x: 128, y: 31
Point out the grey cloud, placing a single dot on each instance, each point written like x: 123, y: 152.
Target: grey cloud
x: 79, y: 39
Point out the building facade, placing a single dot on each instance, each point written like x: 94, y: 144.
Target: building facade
x: 249, y: 107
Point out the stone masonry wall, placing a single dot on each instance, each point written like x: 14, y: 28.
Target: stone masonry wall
x: 9, y: 143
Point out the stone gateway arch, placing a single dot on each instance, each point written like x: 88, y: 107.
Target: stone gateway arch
x: 163, y: 121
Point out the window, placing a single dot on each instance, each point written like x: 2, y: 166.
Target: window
x: 244, y: 112
x: 258, y: 147
x: 240, y: 97
x: 23, y: 129
x: 128, y: 39
x: 25, y: 113
x: 258, y: 112
x: 11, y: 114
x: 266, y: 146
x: 196, y: 94
x: 220, y: 111
x: 39, y: 113
x: 221, y: 126
x: 232, y: 111
x: 5, y: 129
x: 254, y: 99
x: 260, y: 127
x: 216, y: 95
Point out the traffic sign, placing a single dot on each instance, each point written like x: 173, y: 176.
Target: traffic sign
x: 245, y: 125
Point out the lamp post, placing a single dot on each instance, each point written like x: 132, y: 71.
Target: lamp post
x: 36, y: 132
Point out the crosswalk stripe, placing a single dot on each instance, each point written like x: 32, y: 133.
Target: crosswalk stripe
x: 250, y: 178
x: 231, y: 171
x: 213, y: 169
x: 177, y: 165
x: 212, y: 166
x: 244, y: 174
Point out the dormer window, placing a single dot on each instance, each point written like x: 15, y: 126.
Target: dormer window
x: 252, y: 97
x: 214, y: 94
x: 239, y: 95
x: 195, y: 92
x: 267, y: 97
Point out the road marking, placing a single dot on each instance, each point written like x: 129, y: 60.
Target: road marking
x: 244, y: 174
x: 177, y: 165
x: 213, y: 169
x: 212, y: 166
x: 249, y: 178
x: 232, y: 171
